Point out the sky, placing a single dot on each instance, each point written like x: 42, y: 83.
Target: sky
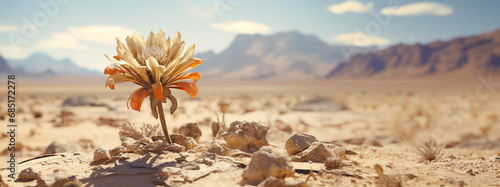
x: 86, y: 30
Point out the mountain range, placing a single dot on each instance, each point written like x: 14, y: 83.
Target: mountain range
x: 4, y: 67
x: 289, y: 55
x: 459, y: 58
x: 42, y: 64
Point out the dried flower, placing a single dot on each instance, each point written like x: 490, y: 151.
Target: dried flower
x: 156, y: 65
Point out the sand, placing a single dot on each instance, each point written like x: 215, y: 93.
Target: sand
x: 372, y: 125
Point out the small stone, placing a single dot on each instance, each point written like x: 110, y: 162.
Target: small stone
x: 333, y: 163
x: 266, y: 162
x: 77, y: 153
x: 219, y: 149
x: 28, y: 174
x: 117, y: 150
x: 101, y: 154
x: 246, y: 136
x: 317, y: 152
x: 299, y: 142
x: 192, y: 130
x: 185, y: 141
x: 174, y: 147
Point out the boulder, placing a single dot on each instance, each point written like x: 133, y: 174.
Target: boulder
x: 268, y: 162
x: 246, y: 136
x: 192, y: 130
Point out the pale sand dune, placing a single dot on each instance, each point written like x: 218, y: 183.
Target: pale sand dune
x: 372, y: 110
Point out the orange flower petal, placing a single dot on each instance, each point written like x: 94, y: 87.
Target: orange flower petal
x: 193, y: 75
x: 158, y: 90
x: 110, y: 70
x: 136, y: 98
x: 197, y: 62
x: 117, y: 58
x: 190, y: 88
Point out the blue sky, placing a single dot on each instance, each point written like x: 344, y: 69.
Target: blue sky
x: 85, y: 30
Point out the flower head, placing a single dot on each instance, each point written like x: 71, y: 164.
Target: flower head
x: 156, y: 65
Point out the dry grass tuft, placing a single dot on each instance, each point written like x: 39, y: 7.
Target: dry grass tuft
x: 429, y: 150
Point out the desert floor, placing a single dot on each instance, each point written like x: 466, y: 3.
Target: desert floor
x: 463, y: 121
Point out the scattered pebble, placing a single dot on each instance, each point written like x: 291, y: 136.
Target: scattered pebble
x: 101, y: 154
x: 185, y: 141
x: 192, y: 130
x: 333, y: 163
x: 246, y: 136
x: 317, y: 152
x: 298, y: 142
x: 268, y: 161
x: 28, y: 174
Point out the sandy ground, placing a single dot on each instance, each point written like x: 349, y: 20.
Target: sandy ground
x: 372, y: 126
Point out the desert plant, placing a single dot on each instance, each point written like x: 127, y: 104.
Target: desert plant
x: 220, y: 126
x: 157, y: 65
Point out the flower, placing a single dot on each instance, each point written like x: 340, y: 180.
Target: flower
x: 156, y: 65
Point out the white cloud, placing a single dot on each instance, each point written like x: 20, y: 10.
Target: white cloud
x: 8, y: 28
x: 360, y: 39
x: 104, y: 34
x: 421, y: 8
x: 242, y: 27
x: 62, y: 40
x: 350, y: 6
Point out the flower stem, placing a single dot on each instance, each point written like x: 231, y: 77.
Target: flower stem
x: 163, y: 123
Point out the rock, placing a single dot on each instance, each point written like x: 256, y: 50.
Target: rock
x: 246, y: 136
x: 219, y: 149
x: 117, y: 150
x: 192, y: 130
x: 28, y: 174
x: 275, y: 182
x: 317, y: 152
x: 58, y: 179
x: 101, y: 154
x: 174, y: 147
x: 299, y: 142
x: 333, y: 163
x: 61, y: 146
x: 83, y: 101
x: 318, y: 105
x: 266, y: 162
x: 185, y: 141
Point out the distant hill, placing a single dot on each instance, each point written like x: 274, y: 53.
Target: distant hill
x: 290, y: 55
x: 43, y: 64
x: 4, y: 67
x: 464, y: 57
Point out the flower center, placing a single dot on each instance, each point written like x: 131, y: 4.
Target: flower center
x: 153, y: 51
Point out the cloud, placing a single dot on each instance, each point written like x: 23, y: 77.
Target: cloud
x: 417, y: 9
x: 242, y: 27
x: 62, y: 40
x: 8, y: 28
x: 104, y: 34
x: 350, y: 6
x: 360, y: 39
